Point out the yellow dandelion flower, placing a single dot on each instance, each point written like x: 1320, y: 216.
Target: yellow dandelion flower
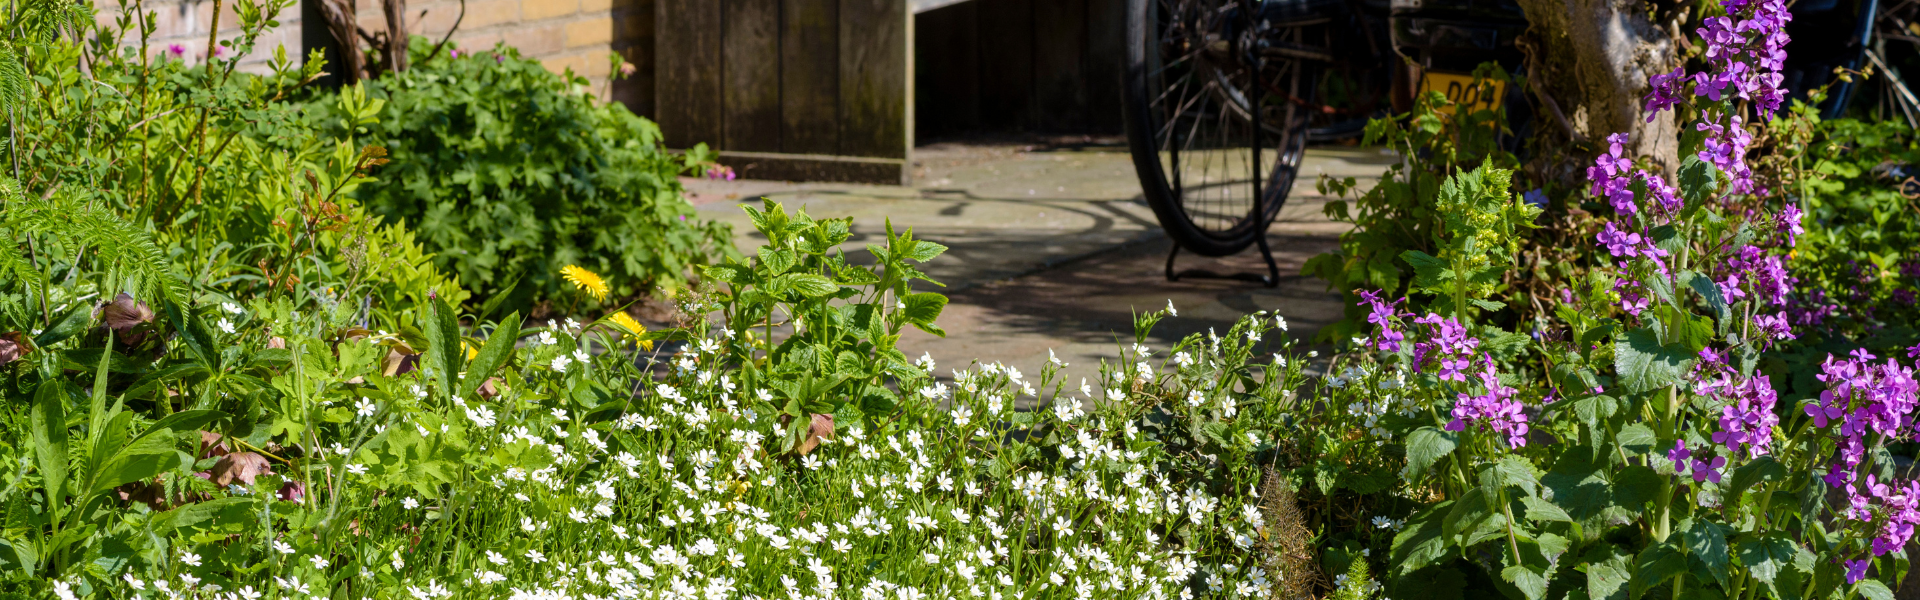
x: 586, y: 281
x: 633, y: 328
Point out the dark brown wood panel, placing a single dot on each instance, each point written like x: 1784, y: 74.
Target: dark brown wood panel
x: 751, y: 51
x: 1106, y: 55
x: 946, y: 71
x: 1005, y: 31
x: 1059, y: 47
x: 688, y: 72
x: 873, y: 84
x: 810, y: 77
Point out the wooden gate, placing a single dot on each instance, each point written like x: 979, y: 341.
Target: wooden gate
x: 816, y: 90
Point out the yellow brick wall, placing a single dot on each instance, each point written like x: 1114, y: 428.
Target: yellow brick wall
x: 561, y: 34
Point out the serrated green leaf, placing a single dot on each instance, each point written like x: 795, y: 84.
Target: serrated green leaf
x: 924, y: 307
x: 1644, y: 365
x: 1421, y: 542
x: 1655, y: 565
x: 807, y: 284
x: 1425, y: 446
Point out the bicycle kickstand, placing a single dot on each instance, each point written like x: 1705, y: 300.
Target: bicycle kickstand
x: 1271, y: 279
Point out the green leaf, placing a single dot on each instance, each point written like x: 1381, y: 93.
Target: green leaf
x: 1760, y: 468
x: 1431, y: 583
x: 924, y: 307
x: 777, y: 260
x: 1698, y: 179
x: 1637, y: 439
x: 1468, y: 514
x: 1766, y: 556
x: 1428, y: 270
x: 1426, y: 446
x: 1530, y: 580
x: 1607, y: 580
x: 1689, y: 331
x: 807, y: 284
x: 1873, y: 589
x: 1421, y: 541
x: 495, y: 352
x: 444, y: 354
x: 75, y: 322
x: 1707, y: 544
x: 924, y: 251
x: 1654, y: 566
x: 49, y: 422
x: 1709, y: 294
x: 193, y: 336
x: 1644, y: 365
x: 1635, y: 486
x: 1511, y: 471
x: 1539, y: 510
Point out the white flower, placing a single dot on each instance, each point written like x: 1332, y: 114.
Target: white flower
x: 63, y: 590
x: 1280, y: 322
x: 231, y: 307
x: 1055, y: 359
x: 496, y: 558
x: 134, y: 582
x: 282, y: 547
x: 317, y: 561
x: 1170, y: 309
x: 560, y: 363
x: 225, y: 325
x: 536, y: 556
x: 490, y: 578
x: 190, y: 558
x: 365, y: 407
x: 357, y: 469
x: 410, y: 504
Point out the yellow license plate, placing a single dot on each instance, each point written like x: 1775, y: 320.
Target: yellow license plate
x: 1460, y: 90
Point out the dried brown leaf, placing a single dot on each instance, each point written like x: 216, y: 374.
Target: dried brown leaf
x: 240, y: 466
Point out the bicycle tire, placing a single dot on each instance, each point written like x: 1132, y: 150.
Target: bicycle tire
x: 1230, y: 225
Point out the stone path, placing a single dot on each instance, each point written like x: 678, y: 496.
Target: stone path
x: 1052, y: 247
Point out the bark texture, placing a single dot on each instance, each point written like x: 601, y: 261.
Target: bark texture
x: 1593, y: 58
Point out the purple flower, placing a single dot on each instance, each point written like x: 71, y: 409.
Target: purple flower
x: 1384, y: 314
x: 1666, y: 91
x: 1857, y: 570
x: 1495, y: 407
x: 1708, y: 470
x: 176, y: 50
x: 1619, y: 243
x: 1679, y: 455
x: 1790, y: 223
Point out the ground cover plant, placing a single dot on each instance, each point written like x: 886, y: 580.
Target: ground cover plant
x: 224, y: 378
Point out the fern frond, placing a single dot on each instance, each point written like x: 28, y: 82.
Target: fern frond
x: 126, y: 254
x: 14, y: 84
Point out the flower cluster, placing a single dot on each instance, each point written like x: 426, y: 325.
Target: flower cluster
x: 1496, y: 406
x: 1891, y: 511
x: 1448, y: 344
x: 1863, y: 398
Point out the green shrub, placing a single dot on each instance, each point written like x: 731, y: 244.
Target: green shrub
x: 507, y: 170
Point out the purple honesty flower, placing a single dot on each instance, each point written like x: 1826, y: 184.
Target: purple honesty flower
x: 1448, y: 342
x: 1862, y: 399
x: 1747, y: 421
x: 1495, y: 406
x: 1384, y: 314
x: 1857, y: 570
x: 1679, y: 455
x: 1708, y: 470
x: 176, y: 50
x: 1890, y: 511
x: 1790, y: 223
x: 1666, y: 91
x: 1619, y: 243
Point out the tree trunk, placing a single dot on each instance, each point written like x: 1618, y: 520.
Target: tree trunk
x: 396, y: 50
x: 1591, y: 60
x: 339, y: 21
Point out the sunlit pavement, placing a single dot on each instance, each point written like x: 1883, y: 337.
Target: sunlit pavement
x: 1052, y: 247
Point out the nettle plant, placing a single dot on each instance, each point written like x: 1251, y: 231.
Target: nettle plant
x: 1636, y: 447
x: 845, y: 319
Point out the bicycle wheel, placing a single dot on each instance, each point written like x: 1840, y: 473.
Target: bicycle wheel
x: 1214, y: 98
